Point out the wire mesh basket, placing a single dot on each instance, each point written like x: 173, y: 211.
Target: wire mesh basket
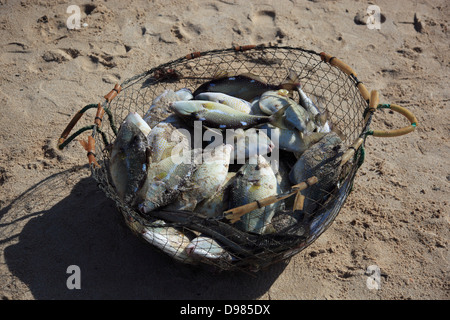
x: 295, y: 225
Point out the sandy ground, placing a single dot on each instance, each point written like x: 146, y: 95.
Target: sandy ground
x: 52, y: 215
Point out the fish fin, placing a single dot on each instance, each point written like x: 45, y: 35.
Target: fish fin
x: 196, y: 116
x: 251, y: 76
x: 217, y: 132
x: 291, y: 83
x: 293, y: 77
x: 220, y: 73
x: 277, y: 119
x: 312, y: 138
x: 321, y: 118
x: 338, y: 132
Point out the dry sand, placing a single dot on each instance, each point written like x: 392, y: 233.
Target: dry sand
x: 396, y: 218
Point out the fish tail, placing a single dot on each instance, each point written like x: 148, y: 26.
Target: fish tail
x: 322, y: 117
x: 277, y: 119
x: 291, y: 83
x: 339, y: 132
x: 312, y: 138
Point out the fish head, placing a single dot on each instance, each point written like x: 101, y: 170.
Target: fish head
x: 132, y: 134
x: 185, y: 108
x: 129, y: 158
x: 184, y: 94
x: 136, y: 119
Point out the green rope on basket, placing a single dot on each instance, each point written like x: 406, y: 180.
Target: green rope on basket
x: 111, y: 120
x: 91, y: 127
x: 80, y: 131
x: 359, y: 158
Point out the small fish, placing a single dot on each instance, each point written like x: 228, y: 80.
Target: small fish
x: 206, y: 249
x: 206, y: 180
x: 255, y: 182
x: 163, y: 139
x: 159, y: 109
x: 128, y: 160
x: 184, y: 94
x: 217, y: 115
x: 166, y: 180
x: 292, y: 140
x: 320, y: 117
x: 272, y: 101
x: 298, y: 118
x: 170, y: 240
x: 323, y: 161
x: 244, y: 86
x: 233, y: 102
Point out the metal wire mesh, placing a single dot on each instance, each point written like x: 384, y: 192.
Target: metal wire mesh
x: 325, y: 84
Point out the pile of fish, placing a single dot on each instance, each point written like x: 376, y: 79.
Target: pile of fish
x: 213, y: 149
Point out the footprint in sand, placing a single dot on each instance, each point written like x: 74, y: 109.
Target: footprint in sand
x: 60, y: 55
x: 185, y: 31
x: 264, y: 28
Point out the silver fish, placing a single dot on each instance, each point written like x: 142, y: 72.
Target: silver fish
x: 233, y: 102
x: 128, y: 160
x: 319, y: 117
x: 272, y: 101
x: 323, y: 161
x: 217, y: 115
x: 206, y: 249
x: 166, y: 180
x: 165, y: 139
x: 184, y: 94
x: 255, y: 182
x: 206, y: 180
x: 170, y: 240
x: 298, y: 118
x: 159, y: 108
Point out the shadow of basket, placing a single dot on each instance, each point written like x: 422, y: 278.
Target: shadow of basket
x: 66, y: 220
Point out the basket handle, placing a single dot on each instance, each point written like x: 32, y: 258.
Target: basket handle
x: 374, y: 105
x: 89, y: 145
